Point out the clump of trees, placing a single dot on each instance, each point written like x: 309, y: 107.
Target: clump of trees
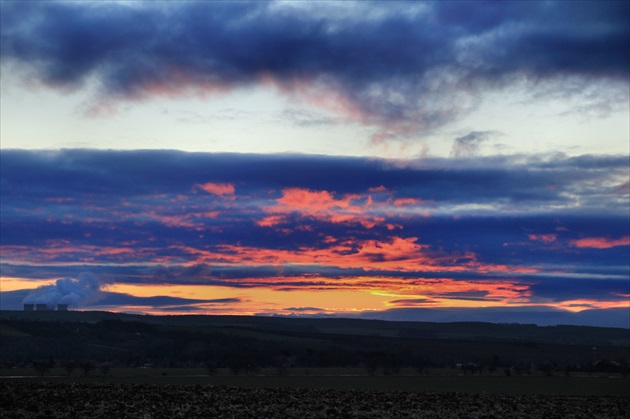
x: 42, y: 367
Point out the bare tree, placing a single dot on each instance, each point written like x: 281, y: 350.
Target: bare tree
x: 69, y: 366
x: 42, y: 367
x: 86, y: 367
x: 105, y: 369
x: 211, y: 368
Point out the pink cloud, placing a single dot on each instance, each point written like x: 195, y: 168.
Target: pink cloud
x: 407, y: 201
x: 545, y: 238
x: 217, y: 188
x: 270, y: 221
x: 322, y: 205
x: 600, y: 242
x: 396, y: 254
x: 309, y: 201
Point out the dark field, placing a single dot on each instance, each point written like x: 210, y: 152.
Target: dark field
x: 98, y: 364
x: 71, y: 400
x: 435, y: 381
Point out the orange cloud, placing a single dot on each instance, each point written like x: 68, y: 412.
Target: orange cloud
x: 322, y: 205
x: 310, y: 201
x: 601, y: 242
x: 397, y: 254
x: 270, y: 221
x: 585, y: 304
x: 217, y: 188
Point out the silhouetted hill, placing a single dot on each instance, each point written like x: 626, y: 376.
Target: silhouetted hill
x: 241, y: 342
x: 476, y: 331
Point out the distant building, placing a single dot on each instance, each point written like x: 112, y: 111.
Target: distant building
x: 29, y: 307
x: 62, y: 307
x: 41, y: 307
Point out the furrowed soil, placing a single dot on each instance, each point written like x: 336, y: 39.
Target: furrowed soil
x: 72, y: 400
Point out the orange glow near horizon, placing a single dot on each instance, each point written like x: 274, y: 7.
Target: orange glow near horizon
x: 585, y: 304
x: 14, y: 284
x: 261, y: 299
x: 328, y: 296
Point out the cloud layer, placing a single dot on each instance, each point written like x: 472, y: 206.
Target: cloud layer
x: 400, y: 67
x: 536, y: 231
x: 310, y: 234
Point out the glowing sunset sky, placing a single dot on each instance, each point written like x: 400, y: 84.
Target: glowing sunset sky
x: 394, y: 160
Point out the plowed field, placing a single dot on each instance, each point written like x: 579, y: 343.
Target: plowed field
x: 67, y: 400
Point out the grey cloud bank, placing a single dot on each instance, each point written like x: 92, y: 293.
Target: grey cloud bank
x: 401, y: 67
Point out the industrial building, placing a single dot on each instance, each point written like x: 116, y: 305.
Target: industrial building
x: 44, y: 307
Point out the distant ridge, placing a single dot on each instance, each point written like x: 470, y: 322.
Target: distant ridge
x: 541, y: 316
x: 471, y: 330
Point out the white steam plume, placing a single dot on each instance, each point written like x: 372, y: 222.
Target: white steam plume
x: 75, y: 292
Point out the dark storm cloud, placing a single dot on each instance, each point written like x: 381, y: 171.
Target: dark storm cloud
x: 573, y: 288
x: 94, y: 175
x: 390, y: 65
x: 122, y: 173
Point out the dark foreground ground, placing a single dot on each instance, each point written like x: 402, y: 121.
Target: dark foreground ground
x: 71, y: 400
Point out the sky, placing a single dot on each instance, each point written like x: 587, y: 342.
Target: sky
x: 432, y: 161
